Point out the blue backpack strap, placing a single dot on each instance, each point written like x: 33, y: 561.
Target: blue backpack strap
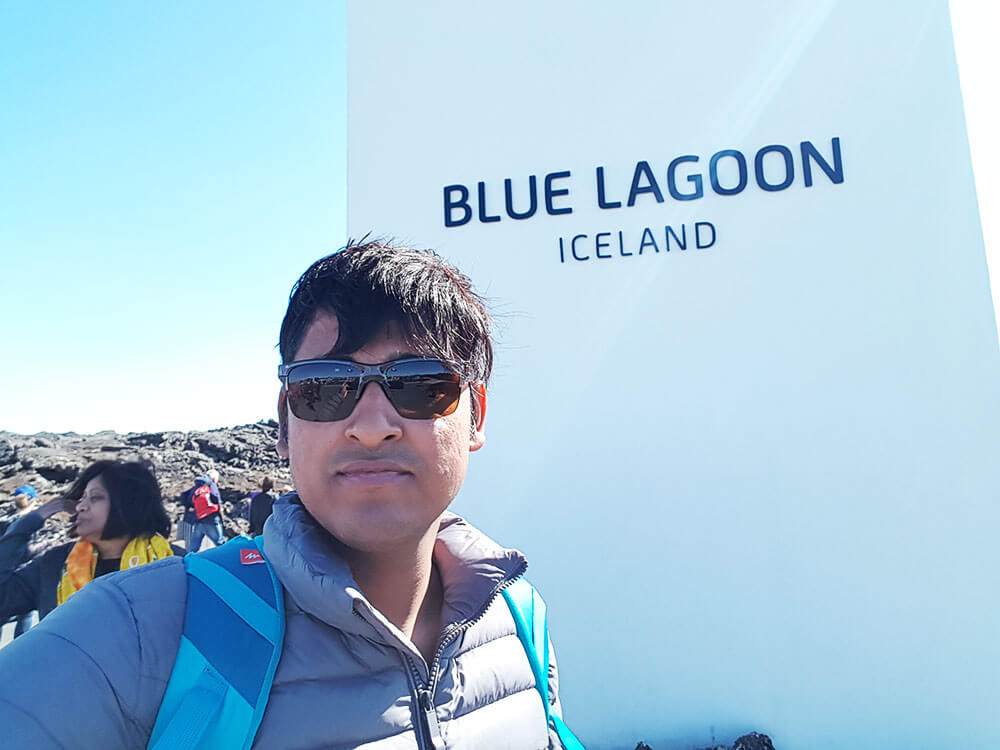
x: 234, y: 625
x: 528, y: 610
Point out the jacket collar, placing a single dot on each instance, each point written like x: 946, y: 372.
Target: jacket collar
x: 472, y: 568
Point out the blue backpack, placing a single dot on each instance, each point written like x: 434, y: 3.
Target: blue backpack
x: 234, y: 626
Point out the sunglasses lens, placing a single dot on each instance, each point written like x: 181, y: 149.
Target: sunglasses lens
x: 323, y: 392
x: 327, y: 391
x: 423, y: 389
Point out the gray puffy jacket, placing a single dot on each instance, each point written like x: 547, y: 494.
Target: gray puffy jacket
x: 93, y: 673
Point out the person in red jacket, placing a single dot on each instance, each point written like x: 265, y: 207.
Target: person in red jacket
x: 203, y: 504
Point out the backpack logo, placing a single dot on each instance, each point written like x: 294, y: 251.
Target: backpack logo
x: 251, y: 557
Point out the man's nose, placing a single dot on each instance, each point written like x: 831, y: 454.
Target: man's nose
x: 374, y: 420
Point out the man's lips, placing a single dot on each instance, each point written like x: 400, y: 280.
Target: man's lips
x: 372, y: 472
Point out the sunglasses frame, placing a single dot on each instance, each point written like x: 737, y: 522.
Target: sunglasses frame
x: 369, y: 374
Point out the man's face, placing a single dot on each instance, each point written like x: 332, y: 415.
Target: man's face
x: 376, y: 479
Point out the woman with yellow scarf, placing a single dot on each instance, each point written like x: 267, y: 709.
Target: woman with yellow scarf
x: 119, y: 522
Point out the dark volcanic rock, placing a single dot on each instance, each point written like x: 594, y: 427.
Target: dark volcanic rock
x: 753, y: 741
x: 51, y: 462
x: 7, y: 453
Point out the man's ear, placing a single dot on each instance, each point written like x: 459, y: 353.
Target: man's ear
x: 282, y: 445
x: 477, y: 393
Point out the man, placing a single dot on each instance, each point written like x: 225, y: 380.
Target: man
x: 396, y: 633
x: 261, y: 504
x: 203, y: 511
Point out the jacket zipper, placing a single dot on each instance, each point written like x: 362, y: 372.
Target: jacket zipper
x: 419, y: 690
x: 425, y: 693
x: 425, y: 703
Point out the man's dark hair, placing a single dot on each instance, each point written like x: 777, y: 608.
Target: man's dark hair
x: 136, y: 503
x: 372, y: 284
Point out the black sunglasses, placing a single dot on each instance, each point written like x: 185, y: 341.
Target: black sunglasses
x: 327, y: 390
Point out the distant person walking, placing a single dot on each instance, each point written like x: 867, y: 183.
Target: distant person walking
x: 261, y: 504
x: 120, y: 523
x: 25, y: 499
x: 203, y: 504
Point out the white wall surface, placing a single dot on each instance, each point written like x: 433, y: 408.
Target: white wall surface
x: 975, y: 25
x: 756, y: 482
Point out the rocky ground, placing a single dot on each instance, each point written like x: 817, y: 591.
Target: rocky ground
x: 752, y: 741
x: 242, y: 456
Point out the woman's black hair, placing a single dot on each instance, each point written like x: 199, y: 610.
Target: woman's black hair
x: 136, y: 502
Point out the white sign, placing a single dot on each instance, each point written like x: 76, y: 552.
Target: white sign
x: 744, y: 422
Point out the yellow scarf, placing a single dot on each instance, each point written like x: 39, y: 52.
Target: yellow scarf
x: 81, y: 562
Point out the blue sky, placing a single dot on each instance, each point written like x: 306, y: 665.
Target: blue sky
x: 166, y: 172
